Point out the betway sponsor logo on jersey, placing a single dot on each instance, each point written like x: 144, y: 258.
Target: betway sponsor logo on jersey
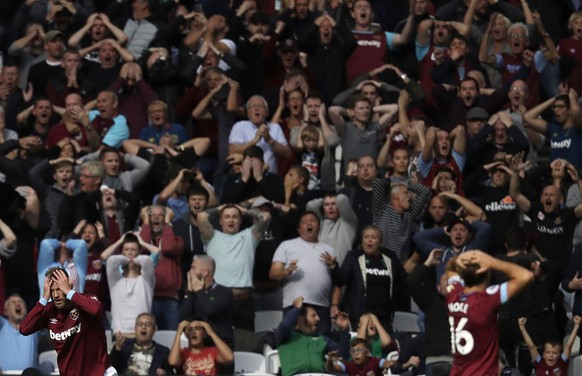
x: 564, y: 144
x: 66, y: 333
x: 505, y: 204
x: 458, y: 307
x: 369, y: 43
x: 378, y: 272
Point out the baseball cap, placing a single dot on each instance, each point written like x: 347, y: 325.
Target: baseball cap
x: 477, y: 113
x: 289, y: 45
x: 260, y: 201
x: 259, y: 18
x: 453, y: 220
x: 52, y: 35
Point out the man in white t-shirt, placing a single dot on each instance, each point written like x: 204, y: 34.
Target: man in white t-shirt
x: 301, y: 265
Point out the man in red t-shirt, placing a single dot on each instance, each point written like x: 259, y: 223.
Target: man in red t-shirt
x: 473, y: 306
x: 75, y: 325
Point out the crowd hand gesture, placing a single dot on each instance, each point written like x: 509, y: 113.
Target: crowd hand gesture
x: 144, y: 214
x: 576, y: 282
x: 290, y: 184
x: 28, y: 93
x: 492, y: 20
x: 119, y: 340
x: 62, y: 281
x: 29, y: 142
x: 571, y: 170
x: 482, y: 259
x: 195, y: 284
x: 132, y: 69
x: 434, y: 257
x: 328, y: 260
x: 291, y: 268
x: 527, y: 57
x: 169, y: 212
x: 342, y: 320
x: 259, y: 38
x: 333, y: 357
x: 182, y: 328
x: 303, y: 59
x: 223, y: 81
x: 244, y: 7
x: 298, y: 302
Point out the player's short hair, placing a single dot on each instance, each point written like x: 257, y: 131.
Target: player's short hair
x: 471, y: 277
x: 51, y: 271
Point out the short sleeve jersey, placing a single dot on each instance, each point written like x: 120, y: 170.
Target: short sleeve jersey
x: 558, y: 369
x: 565, y: 143
x: 474, y: 332
x: 202, y: 363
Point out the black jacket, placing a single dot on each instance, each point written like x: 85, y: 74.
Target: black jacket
x: 119, y: 359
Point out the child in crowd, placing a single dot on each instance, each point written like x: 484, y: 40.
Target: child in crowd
x: 362, y: 363
x: 197, y: 358
x: 552, y: 361
x: 309, y: 148
x: 371, y: 330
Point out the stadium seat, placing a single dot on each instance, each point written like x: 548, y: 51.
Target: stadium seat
x: 273, y: 363
x: 49, y: 356
x: 405, y: 322
x: 575, y: 368
x: 267, y: 320
x: 248, y: 362
x: 166, y: 338
x: 109, y: 339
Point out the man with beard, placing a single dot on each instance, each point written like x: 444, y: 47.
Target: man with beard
x: 462, y: 236
x: 134, y: 97
x: 75, y: 325
x: 18, y: 352
x: 41, y: 72
x: 157, y: 230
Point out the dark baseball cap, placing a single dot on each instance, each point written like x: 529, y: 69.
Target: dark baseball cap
x: 453, y: 220
x: 289, y: 45
x: 260, y: 18
x: 52, y: 35
x: 477, y: 113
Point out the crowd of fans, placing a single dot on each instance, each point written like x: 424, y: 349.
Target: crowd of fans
x: 202, y: 160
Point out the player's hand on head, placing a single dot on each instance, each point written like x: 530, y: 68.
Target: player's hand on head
x: 63, y: 282
x: 46, y: 291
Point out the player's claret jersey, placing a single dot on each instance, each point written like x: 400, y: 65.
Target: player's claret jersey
x: 474, y: 333
x: 76, y: 332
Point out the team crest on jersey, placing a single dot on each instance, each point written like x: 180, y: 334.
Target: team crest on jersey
x: 492, y: 289
x: 556, y: 371
x: 558, y: 221
x: 96, y: 264
x: 53, y: 321
x: 74, y: 314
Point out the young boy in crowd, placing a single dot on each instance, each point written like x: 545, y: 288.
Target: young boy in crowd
x: 362, y: 363
x: 552, y: 361
x: 309, y: 148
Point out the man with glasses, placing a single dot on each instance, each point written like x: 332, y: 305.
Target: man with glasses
x: 564, y: 131
x: 141, y: 355
x: 257, y: 131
